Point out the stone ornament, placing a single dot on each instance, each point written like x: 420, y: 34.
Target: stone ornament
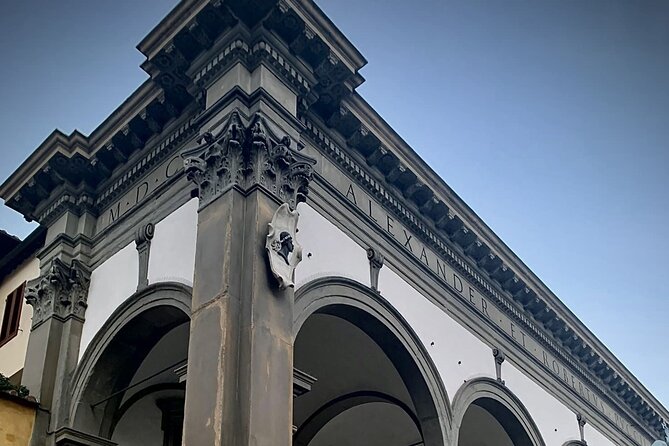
x: 61, y: 292
x: 282, y: 248
x: 246, y: 155
x: 664, y: 442
x: 375, y: 264
x: 500, y: 357
x: 582, y: 421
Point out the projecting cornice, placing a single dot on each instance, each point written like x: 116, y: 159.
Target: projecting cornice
x: 371, y: 141
x: 69, y: 171
x: 198, y: 41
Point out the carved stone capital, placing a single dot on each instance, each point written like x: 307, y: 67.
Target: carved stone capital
x: 244, y: 155
x: 61, y: 292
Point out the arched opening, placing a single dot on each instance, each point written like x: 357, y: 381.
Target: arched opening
x: 488, y: 414
x: 127, y: 386
x: 372, y: 381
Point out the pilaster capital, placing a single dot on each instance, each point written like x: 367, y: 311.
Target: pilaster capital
x: 60, y: 292
x: 247, y: 154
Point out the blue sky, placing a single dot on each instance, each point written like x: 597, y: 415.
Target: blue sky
x: 550, y: 119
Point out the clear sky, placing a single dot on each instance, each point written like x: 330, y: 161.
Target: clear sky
x: 550, y: 119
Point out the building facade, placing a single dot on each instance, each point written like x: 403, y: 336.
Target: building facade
x: 177, y: 303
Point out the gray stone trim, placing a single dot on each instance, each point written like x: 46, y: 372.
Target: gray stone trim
x: 143, y: 237
x: 247, y: 154
x: 500, y: 357
x: 61, y: 292
x: 83, y: 390
x: 348, y: 218
x: 159, y: 152
x: 71, y: 437
x: 479, y: 389
x: 451, y: 254
x: 331, y: 409
x: 368, y: 310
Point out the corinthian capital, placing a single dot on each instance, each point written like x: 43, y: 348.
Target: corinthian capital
x: 61, y: 292
x: 244, y: 155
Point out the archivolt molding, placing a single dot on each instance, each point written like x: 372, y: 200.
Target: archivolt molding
x: 339, y: 405
x: 163, y: 294
x: 483, y: 388
x: 460, y: 247
x: 370, y: 312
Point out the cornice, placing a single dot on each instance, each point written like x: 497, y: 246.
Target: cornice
x: 169, y: 26
x: 321, y: 65
x: 506, y: 293
x: 328, y: 31
x: 489, y: 252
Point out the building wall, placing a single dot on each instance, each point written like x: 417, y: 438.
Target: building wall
x: 13, y: 353
x: 171, y: 259
x: 16, y: 422
x: 457, y: 353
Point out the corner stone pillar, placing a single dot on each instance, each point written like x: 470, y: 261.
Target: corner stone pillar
x: 240, y: 359
x: 59, y: 301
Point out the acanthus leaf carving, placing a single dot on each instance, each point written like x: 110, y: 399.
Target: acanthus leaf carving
x: 246, y: 155
x: 61, y: 292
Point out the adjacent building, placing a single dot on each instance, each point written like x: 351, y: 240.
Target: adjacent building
x: 175, y: 302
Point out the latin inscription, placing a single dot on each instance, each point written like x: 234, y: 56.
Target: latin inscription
x: 140, y: 191
x: 471, y: 296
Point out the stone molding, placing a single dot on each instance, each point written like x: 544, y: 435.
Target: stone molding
x: 505, y: 290
x: 143, y: 236
x: 376, y: 259
x: 244, y: 155
x: 61, y: 292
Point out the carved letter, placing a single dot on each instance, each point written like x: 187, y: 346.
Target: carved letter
x: 457, y: 283
x: 142, y: 190
x: 407, y: 243
x: 352, y: 194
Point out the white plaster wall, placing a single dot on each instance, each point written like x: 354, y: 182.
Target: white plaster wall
x: 13, y: 353
x: 555, y: 421
x: 327, y: 251
x: 172, y: 255
x: 458, y: 354
x: 111, y: 283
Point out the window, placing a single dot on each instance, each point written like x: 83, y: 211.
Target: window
x: 12, y: 315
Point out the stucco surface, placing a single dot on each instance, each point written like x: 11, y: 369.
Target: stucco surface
x: 13, y: 353
x: 458, y: 354
x: 16, y: 423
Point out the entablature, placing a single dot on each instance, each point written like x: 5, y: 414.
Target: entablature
x: 356, y: 129
x: 198, y: 41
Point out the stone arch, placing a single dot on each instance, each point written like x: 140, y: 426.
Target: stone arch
x: 377, y: 318
x: 118, y: 348
x: 341, y: 404
x: 502, y: 404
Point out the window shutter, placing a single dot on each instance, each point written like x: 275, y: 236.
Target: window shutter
x: 12, y: 316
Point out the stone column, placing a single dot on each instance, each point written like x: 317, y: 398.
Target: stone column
x: 240, y: 358
x: 59, y: 301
